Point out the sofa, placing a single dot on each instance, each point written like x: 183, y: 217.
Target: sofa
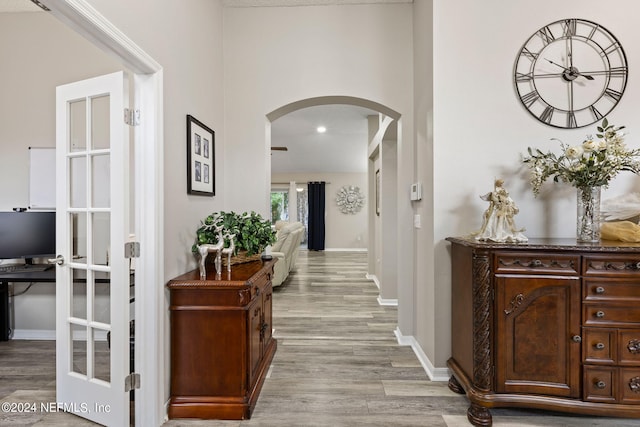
x: 285, y: 249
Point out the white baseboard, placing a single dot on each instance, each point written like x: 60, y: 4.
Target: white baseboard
x: 345, y: 249
x: 387, y: 301
x: 382, y: 301
x: 34, y: 334
x: 374, y: 278
x: 434, y: 374
x: 50, y: 335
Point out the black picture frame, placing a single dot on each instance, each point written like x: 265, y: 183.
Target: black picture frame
x: 201, y: 167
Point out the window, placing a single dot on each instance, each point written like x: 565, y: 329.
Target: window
x: 279, y: 205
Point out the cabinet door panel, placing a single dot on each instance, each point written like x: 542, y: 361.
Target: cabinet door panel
x: 255, y: 341
x: 536, y: 319
x: 268, y: 304
x: 630, y: 385
x: 629, y: 347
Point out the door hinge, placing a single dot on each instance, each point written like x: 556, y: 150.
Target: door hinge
x: 131, y: 117
x: 132, y: 250
x: 131, y: 382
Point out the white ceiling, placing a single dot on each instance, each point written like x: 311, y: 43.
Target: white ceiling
x: 26, y: 5
x: 279, y: 3
x: 342, y: 148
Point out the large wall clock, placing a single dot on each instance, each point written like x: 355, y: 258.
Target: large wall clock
x: 571, y: 73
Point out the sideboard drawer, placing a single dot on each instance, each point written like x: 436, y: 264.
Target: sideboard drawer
x: 611, y: 289
x: 610, y: 314
x: 599, y: 345
x: 612, y: 265
x: 600, y: 384
x: 528, y: 263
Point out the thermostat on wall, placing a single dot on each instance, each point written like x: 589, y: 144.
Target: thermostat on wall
x: 416, y: 191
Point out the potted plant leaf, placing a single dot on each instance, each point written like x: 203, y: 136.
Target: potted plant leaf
x: 252, y: 233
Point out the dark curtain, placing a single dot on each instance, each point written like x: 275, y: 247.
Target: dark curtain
x: 316, y: 216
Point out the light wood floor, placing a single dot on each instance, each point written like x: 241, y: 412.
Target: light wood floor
x: 338, y: 364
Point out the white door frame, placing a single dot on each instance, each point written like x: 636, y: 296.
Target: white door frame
x: 149, y: 206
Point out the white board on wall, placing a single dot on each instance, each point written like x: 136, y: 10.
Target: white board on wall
x: 42, y: 178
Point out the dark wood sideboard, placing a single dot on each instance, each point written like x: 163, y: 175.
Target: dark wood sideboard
x: 549, y: 324
x: 221, y: 341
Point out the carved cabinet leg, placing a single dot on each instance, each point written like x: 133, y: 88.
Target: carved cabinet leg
x: 479, y: 416
x: 455, y: 386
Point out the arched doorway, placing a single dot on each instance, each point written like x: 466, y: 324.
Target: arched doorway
x: 379, y: 177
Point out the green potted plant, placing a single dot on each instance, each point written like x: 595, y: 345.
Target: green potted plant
x: 252, y: 232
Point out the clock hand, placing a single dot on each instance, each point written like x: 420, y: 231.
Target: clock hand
x: 557, y: 65
x: 573, y: 71
x: 614, y: 72
x: 547, y: 75
x: 570, y: 52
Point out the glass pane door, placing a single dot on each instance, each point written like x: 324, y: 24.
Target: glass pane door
x: 92, y: 294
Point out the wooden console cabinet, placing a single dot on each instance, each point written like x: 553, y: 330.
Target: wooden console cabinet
x: 221, y: 341
x: 549, y: 324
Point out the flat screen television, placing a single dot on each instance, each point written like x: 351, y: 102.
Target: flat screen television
x: 27, y: 235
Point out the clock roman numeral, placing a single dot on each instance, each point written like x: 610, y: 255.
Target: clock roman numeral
x: 610, y: 49
x: 569, y: 27
x: 547, y: 114
x: 521, y: 77
x: 530, y: 98
x: 595, y: 112
x: 618, y: 71
x: 613, y: 94
x: 571, y: 120
x: 546, y: 35
x: 527, y: 53
x: 593, y: 32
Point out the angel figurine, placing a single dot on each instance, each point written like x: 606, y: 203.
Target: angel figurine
x: 498, y: 224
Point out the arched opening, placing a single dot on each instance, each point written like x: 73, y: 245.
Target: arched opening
x: 376, y: 178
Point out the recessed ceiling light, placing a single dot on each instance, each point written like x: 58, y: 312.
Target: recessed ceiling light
x: 321, y: 129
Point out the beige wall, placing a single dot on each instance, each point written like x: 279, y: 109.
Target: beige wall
x: 38, y: 54
x: 45, y: 53
x: 186, y: 40
x: 480, y: 129
x: 432, y: 310
x: 342, y: 231
x: 278, y: 55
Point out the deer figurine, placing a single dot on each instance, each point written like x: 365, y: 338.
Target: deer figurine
x: 229, y: 251
x: 208, y: 248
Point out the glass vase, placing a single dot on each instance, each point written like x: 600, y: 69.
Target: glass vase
x: 588, y: 229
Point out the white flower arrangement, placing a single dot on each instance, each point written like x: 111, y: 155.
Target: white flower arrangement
x: 592, y: 163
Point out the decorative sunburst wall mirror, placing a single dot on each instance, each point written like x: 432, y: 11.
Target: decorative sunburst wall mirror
x: 349, y: 199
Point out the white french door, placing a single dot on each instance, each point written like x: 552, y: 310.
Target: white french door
x: 92, y: 288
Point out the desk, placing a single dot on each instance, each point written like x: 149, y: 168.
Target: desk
x: 48, y: 276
